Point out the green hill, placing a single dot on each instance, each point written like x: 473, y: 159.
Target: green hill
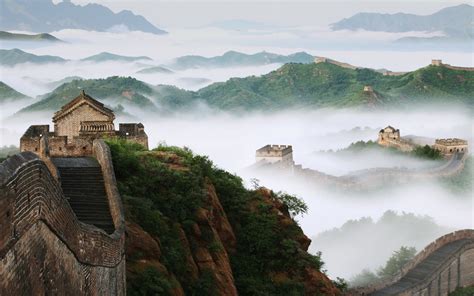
x: 7, y: 36
x: 107, y: 57
x: 291, y: 86
x: 328, y: 85
x: 7, y: 93
x: 155, y: 70
x: 238, y: 59
x: 12, y: 57
x: 116, y: 90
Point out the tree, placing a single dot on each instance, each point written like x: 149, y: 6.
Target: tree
x: 295, y: 205
x: 364, y: 278
x: 397, y: 261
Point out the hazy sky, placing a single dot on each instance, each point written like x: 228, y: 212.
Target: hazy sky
x: 189, y: 13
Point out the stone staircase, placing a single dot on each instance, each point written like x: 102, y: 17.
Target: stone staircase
x: 83, y: 185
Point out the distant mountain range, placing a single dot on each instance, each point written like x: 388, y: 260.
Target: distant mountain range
x: 9, y: 94
x: 455, y: 22
x: 12, y: 57
x: 154, y: 70
x: 45, y: 16
x: 291, y: 86
x: 238, y: 59
x: 106, y: 57
x: 43, y: 37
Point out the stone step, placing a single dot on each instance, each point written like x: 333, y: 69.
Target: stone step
x: 83, y: 185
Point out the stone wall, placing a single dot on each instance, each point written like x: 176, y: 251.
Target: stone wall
x: 44, y: 249
x: 398, y: 144
x: 103, y: 156
x: 456, y: 271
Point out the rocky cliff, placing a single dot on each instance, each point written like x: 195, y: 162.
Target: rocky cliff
x: 195, y: 230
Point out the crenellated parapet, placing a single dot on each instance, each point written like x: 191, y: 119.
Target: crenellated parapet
x: 441, y: 267
x: 43, y: 246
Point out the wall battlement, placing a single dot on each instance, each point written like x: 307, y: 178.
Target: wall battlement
x: 39, y: 226
x: 439, y: 63
x: 455, y: 269
x: 76, y: 125
x: 281, y: 154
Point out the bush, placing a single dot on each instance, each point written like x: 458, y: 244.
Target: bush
x: 397, y: 261
x: 426, y: 152
x: 148, y: 282
x: 466, y: 291
x: 295, y: 205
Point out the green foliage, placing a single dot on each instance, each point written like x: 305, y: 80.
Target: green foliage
x: 426, y: 152
x: 364, y: 278
x: 361, y: 145
x: 292, y: 85
x: 341, y: 284
x: 163, y: 188
x: 391, y: 268
x: 397, y: 261
x: 466, y: 291
x: 118, y: 90
x: 205, y: 284
x: 295, y: 205
x: 8, y: 93
x: 149, y: 282
x: 7, y: 151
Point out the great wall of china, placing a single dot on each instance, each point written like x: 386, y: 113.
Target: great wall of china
x: 443, y: 266
x: 44, y: 247
x: 62, y: 225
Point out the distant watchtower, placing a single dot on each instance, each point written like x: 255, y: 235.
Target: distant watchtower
x: 276, y: 154
x: 437, y: 62
x: 320, y: 60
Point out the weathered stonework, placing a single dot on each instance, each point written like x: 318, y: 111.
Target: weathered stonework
x: 390, y: 137
x: 76, y: 126
x: 44, y: 248
x: 456, y: 270
x: 448, y: 147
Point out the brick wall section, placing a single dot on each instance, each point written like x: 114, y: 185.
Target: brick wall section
x: 102, y: 154
x: 457, y: 270
x: 39, y: 226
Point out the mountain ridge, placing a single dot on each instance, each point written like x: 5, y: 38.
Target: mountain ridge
x: 12, y: 57
x: 31, y: 15
x: 42, y: 37
x: 291, y: 86
x: 454, y: 22
x: 235, y: 58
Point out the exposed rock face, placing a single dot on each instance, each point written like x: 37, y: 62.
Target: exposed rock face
x: 215, y: 259
x: 201, y: 258
x: 207, y: 233
x: 315, y: 282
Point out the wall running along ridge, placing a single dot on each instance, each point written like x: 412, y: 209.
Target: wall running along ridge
x: 44, y: 249
x: 457, y: 269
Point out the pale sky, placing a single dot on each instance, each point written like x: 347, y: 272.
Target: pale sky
x: 192, y: 13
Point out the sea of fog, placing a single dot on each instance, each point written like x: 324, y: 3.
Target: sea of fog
x: 231, y: 140
x: 33, y: 80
